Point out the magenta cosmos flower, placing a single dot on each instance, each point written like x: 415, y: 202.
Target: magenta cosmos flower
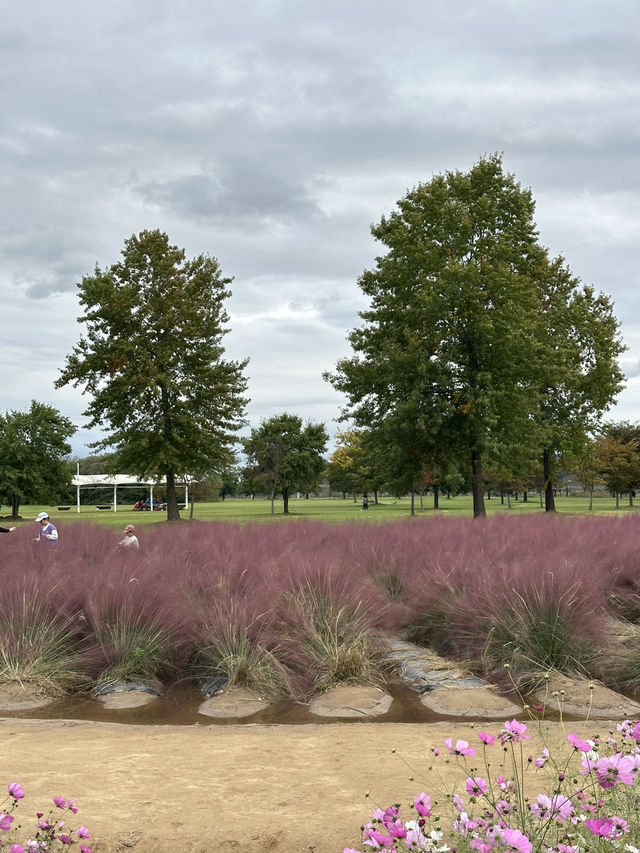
x: 576, y: 743
x: 608, y: 827
x: 5, y: 822
x: 615, y: 768
x: 476, y: 786
x: 485, y: 737
x: 461, y: 748
x: 16, y: 791
x: 513, y: 732
x: 422, y: 804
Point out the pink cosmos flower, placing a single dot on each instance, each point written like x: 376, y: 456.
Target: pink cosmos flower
x: 505, y: 785
x: 83, y: 832
x: 608, y: 827
x: 85, y: 849
x: 565, y: 848
x: 481, y: 846
x: 615, y: 768
x: 377, y: 838
x: 65, y: 839
x: 504, y: 807
x: 72, y: 807
x: 458, y: 802
x: 16, y: 791
x: 576, y: 743
x: 636, y: 731
x: 422, y: 804
x: 16, y: 848
x: 476, y: 786
x: 513, y: 732
x: 346, y: 850
x: 517, y: 841
x: 59, y: 802
x: 5, y: 822
x: 485, y: 737
x: 557, y: 807
x: 461, y: 748
x: 540, y: 762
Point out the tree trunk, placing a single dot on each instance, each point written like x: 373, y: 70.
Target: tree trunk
x: 590, y: 499
x: 421, y: 501
x: 173, y: 513
x: 375, y: 496
x: 525, y: 496
x: 15, y: 506
x: 413, y: 502
x: 285, y: 502
x: 436, y: 497
x: 272, y: 501
x: 508, y: 500
x: 617, y: 500
x: 479, y: 510
x: 549, y: 498
x: 192, y: 504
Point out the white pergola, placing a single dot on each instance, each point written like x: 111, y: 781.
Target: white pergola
x: 86, y: 481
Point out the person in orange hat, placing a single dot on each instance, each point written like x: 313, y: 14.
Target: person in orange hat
x: 130, y: 539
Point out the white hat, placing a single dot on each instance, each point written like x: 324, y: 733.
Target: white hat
x: 42, y: 515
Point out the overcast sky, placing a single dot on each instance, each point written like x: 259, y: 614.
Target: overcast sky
x: 272, y: 133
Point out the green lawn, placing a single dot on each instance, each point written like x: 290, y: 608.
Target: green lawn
x: 320, y: 509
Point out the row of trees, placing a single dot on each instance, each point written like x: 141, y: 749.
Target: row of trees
x: 478, y: 353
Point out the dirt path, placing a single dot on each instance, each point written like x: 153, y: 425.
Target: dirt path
x: 277, y: 789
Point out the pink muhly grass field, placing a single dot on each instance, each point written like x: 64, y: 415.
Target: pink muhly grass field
x: 534, y: 591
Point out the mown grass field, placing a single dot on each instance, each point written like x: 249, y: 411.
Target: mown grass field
x: 323, y: 509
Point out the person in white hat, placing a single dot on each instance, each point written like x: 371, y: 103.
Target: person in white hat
x: 130, y: 539
x: 48, y: 530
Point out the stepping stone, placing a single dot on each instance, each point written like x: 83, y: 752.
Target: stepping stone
x: 579, y: 698
x: 233, y: 702
x: 126, y: 694
x: 445, y: 688
x: 351, y: 701
x: 470, y: 703
x: 15, y: 697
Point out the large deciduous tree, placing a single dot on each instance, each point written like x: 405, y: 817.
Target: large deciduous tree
x: 457, y: 345
x: 284, y: 456
x: 33, y: 446
x: 154, y: 364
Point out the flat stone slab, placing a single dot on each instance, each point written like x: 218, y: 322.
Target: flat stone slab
x: 126, y: 699
x: 16, y: 697
x: 233, y: 702
x: 351, y: 701
x: 470, y: 703
x: 580, y: 698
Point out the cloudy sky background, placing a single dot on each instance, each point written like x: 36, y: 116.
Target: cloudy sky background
x: 272, y: 133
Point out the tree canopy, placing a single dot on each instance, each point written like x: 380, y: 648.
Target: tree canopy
x: 153, y: 362
x: 472, y: 333
x: 284, y: 456
x: 33, y: 447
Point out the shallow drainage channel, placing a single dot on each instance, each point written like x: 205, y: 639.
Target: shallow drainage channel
x: 425, y: 688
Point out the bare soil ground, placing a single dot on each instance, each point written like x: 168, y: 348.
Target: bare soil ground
x: 277, y: 789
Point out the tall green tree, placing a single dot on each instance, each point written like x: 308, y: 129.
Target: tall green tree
x: 285, y: 456
x: 579, y: 374
x: 33, y: 447
x: 153, y: 362
x: 497, y: 353
x: 451, y: 326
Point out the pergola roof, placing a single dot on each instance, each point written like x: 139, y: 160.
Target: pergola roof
x: 120, y: 480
